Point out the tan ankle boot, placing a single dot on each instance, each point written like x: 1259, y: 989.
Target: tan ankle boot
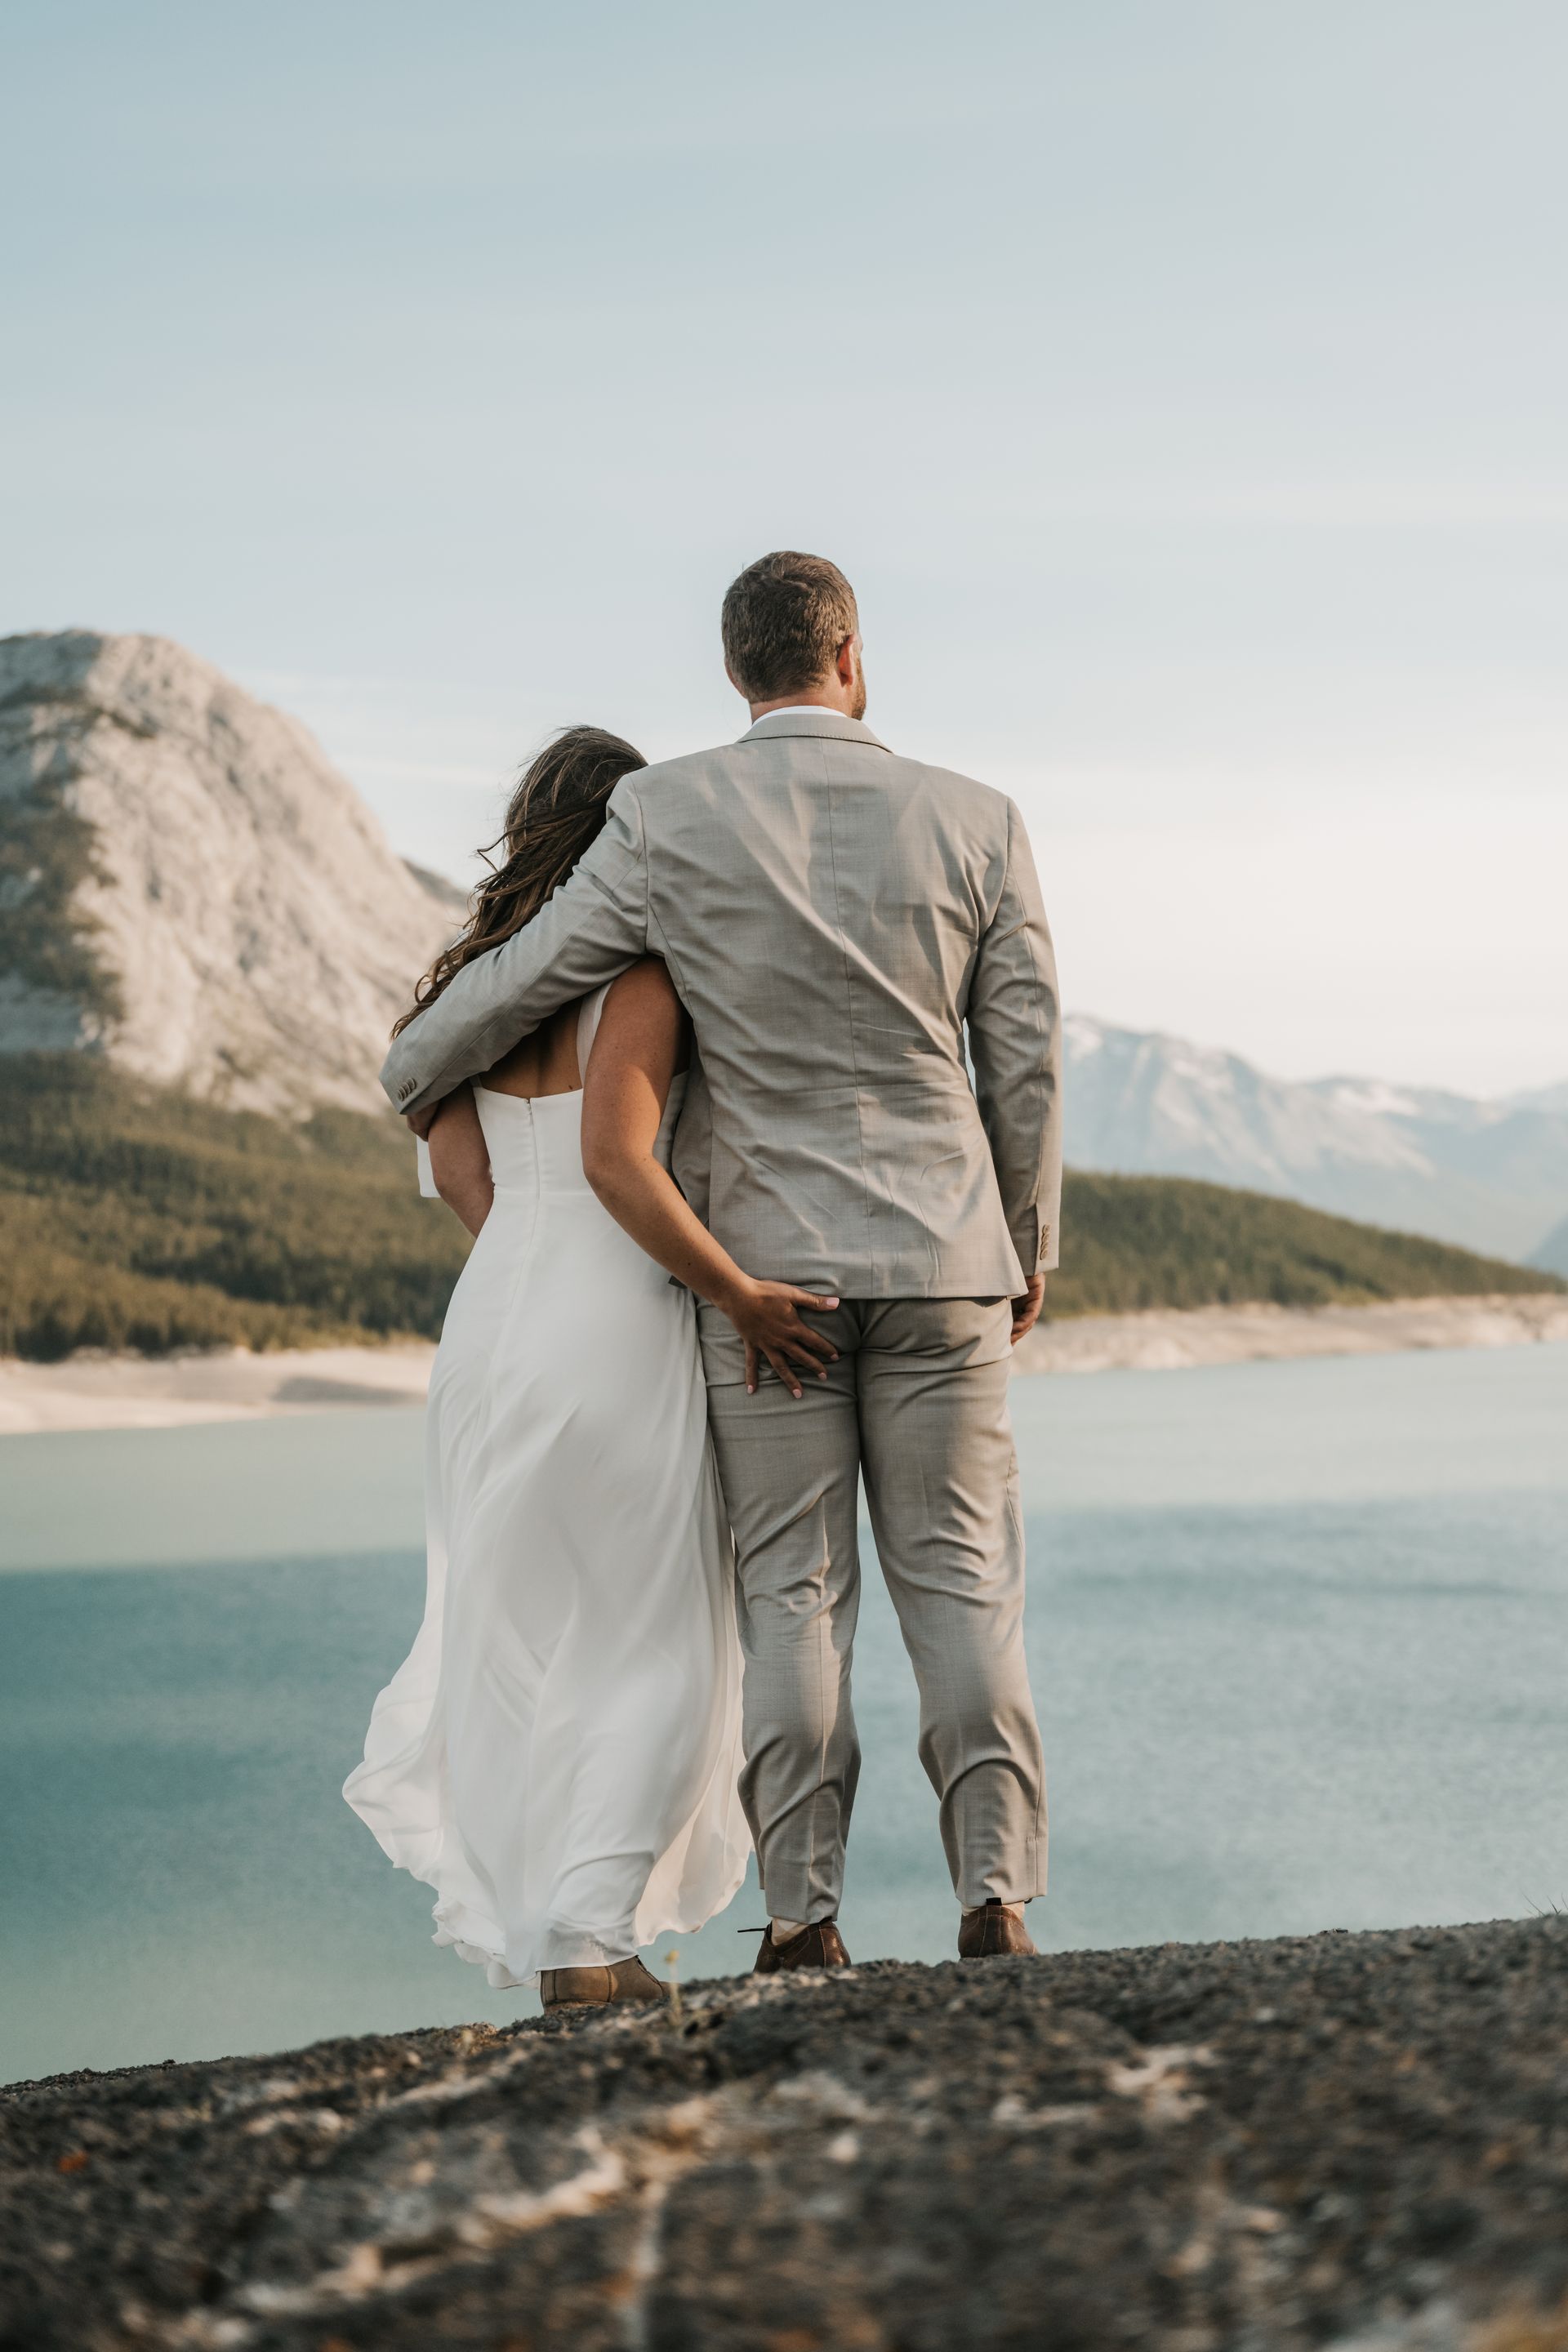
x: 819, y: 1946
x: 605, y: 1987
x: 992, y: 1933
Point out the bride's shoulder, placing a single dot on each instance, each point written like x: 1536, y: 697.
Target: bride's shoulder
x: 646, y: 981
x: 641, y: 1008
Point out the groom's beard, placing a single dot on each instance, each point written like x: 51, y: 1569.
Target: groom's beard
x: 859, y: 709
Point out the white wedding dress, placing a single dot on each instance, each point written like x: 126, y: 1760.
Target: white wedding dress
x: 557, y: 1757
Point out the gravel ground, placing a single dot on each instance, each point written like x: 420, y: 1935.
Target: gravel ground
x: 1351, y: 2140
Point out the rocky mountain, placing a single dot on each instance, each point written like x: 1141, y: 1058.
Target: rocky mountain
x: 1491, y: 1176
x: 187, y: 884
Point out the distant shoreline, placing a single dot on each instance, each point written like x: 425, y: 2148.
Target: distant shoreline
x: 94, y: 1391
x: 1167, y: 1338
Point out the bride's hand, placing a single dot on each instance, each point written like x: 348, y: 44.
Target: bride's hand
x: 767, y: 1316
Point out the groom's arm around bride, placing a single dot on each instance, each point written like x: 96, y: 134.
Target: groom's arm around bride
x: 832, y: 916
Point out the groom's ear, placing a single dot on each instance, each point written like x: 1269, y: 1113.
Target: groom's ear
x: 736, y: 683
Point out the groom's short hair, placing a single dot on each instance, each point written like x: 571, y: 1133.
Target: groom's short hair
x: 783, y: 621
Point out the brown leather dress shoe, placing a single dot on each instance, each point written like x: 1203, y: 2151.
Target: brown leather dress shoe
x: 986, y: 1934
x: 607, y: 1988
x: 819, y: 1946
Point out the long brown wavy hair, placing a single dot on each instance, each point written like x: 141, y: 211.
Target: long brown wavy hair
x: 556, y: 810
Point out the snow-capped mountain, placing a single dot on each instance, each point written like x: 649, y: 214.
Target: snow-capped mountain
x: 1547, y: 1098
x: 1492, y: 1176
x: 187, y: 884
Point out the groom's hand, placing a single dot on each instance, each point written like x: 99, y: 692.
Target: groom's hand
x: 422, y: 1121
x: 1026, y: 1310
x: 767, y: 1316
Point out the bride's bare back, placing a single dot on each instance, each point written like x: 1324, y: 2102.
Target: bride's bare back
x: 544, y: 1064
x: 643, y: 1028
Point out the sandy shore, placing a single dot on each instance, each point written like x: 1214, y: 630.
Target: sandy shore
x: 102, y: 1391
x: 1168, y: 1339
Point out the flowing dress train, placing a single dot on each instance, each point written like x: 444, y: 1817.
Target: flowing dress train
x: 557, y: 1757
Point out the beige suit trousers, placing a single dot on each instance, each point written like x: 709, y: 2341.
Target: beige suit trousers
x: 917, y: 1405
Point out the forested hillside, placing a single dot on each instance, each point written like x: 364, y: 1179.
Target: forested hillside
x: 1130, y: 1242
x: 133, y: 1217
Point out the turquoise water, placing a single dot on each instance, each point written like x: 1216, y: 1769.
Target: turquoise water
x: 1299, y: 1631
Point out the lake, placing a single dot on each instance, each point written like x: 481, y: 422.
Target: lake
x: 1299, y: 1634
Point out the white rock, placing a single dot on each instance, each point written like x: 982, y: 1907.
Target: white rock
x: 262, y: 932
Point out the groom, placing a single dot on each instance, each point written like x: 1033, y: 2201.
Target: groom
x: 834, y: 916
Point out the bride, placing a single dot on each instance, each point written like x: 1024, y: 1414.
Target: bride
x: 557, y: 1756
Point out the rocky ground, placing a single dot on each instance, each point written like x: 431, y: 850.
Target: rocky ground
x: 1358, y: 2141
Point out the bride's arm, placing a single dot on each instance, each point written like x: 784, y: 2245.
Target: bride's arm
x: 460, y: 1160
x: 627, y: 1084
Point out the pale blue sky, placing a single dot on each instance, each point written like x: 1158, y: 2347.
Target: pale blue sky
x: 1182, y: 385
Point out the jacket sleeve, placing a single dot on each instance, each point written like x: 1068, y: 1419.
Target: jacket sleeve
x: 1015, y: 1044
x: 593, y: 928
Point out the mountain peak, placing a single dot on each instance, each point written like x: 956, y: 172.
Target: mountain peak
x: 1491, y: 1176
x: 190, y: 886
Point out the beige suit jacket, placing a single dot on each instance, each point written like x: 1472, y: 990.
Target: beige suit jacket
x: 833, y: 917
